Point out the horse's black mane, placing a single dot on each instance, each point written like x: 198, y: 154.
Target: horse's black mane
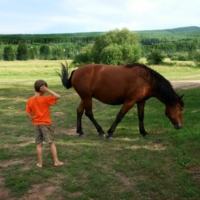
x: 161, y: 84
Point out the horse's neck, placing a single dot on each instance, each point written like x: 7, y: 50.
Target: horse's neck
x: 161, y: 99
x: 167, y: 100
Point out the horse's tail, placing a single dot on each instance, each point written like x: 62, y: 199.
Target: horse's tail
x: 64, y: 76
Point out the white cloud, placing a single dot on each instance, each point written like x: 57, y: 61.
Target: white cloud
x: 141, y: 6
x: 49, y: 16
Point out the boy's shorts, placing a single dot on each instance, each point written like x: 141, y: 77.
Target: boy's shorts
x: 44, y: 133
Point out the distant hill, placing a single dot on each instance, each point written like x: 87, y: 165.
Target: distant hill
x: 191, y: 31
x: 88, y: 37
x: 188, y: 29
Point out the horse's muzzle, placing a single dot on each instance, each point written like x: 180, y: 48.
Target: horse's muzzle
x: 177, y: 126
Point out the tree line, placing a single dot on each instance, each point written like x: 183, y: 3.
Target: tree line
x: 181, y: 44
x: 23, y: 51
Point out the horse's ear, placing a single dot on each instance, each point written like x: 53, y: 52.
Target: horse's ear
x: 181, y: 101
x: 181, y: 96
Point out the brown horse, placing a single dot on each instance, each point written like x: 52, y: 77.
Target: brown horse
x: 128, y: 85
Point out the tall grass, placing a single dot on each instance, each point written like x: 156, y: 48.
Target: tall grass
x: 164, y: 166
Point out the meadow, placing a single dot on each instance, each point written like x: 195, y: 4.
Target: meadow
x: 165, y: 165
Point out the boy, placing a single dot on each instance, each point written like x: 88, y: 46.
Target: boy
x: 38, y: 112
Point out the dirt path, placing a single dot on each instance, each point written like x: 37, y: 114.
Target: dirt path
x: 185, y: 84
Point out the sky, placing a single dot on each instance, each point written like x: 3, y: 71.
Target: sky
x: 73, y: 16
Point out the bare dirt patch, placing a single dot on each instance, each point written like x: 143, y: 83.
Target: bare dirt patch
x: 11, y: 162
x: 152, y: 147
x: 195, y: 172
x: 42, y: 191
x: 4, y: 193
x: 185, y: 84
x: 71, y: 131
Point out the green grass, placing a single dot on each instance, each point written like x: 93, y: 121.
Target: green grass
x: 164, y: 166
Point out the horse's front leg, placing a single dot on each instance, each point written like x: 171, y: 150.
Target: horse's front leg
x: 125, y: 108
x: 140, y: 108
x: 80, y: 111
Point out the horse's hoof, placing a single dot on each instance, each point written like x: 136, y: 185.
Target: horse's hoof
x: 102, y: 136
x: 109, y: 139
x: 146, y: 136
x: 81, y: 136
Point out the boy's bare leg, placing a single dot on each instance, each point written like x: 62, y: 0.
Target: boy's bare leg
x: 39, y: 153
x: 54, y: 153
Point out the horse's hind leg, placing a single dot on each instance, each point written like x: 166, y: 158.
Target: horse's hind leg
x: 89, y: 114
x: 98, y: 127
x: 80, y: 110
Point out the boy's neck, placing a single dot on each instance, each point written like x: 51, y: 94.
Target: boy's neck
x: 38, y: 94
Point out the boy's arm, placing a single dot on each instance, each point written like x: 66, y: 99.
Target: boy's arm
x: 30, y: 117
x: 45, y: 89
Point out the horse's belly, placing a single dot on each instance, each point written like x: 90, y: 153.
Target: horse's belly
x: 109, y: 99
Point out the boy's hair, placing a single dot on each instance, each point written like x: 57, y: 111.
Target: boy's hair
x: 38, y: 84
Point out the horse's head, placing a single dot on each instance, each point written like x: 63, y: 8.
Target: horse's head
x: 174, y: 113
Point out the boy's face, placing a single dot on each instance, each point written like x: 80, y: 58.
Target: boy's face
x: 41, y: 93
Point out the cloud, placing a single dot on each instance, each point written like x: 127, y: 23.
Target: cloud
x: 49, y: 16
x: 141, y: 6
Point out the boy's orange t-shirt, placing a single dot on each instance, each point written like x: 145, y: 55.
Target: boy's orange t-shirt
x: 40, y: 107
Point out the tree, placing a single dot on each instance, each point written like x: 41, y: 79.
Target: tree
x: 130, y: 53
x: 155, y: 57
x: 71, y: 50
x: 197, y: 58
x: 22, y: 52
x: 33, y: 53
x: 126, y: 44
x: 1, y: 53
x: 84, y: 56
x: 8, y: 53
x: 45, y: 52
x: 111, y: 54
x: 57, y: 53
x: 192, y: 51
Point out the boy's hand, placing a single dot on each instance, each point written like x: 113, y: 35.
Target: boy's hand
x: 43, y: 88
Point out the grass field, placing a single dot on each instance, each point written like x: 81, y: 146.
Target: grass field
x: 164, y: 166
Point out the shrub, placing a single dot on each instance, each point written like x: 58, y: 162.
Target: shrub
x: 182, y: 56
x: 155, y: 57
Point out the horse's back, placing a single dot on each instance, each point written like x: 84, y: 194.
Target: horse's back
x: 109, y: 84
x: 91, y: 72
x: 84, y: 75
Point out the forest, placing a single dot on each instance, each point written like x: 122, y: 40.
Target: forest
x: 177, y: 43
